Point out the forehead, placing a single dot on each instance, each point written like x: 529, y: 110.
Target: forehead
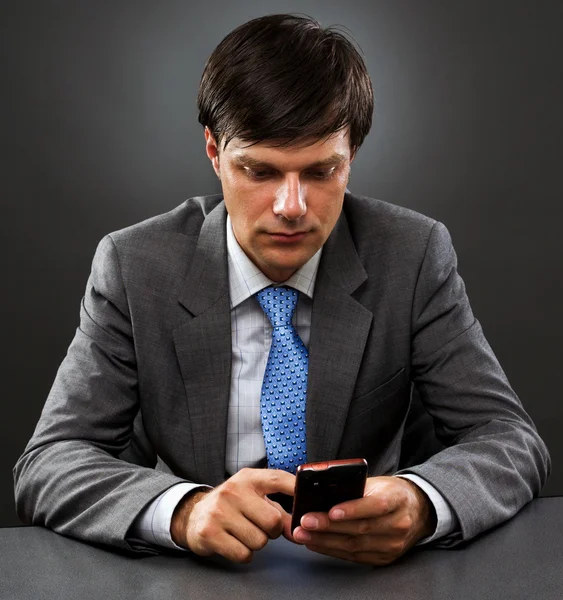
x: 331, y: 150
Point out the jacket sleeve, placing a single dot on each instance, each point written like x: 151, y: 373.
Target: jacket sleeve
x: 70, y: 477
x: 494, y: 461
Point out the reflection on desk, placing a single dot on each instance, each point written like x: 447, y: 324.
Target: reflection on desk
x: 521, y: 559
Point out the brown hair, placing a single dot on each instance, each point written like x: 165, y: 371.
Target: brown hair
x: 286, y: 79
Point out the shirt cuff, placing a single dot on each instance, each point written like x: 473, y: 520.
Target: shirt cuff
x: 446, y: 520
x: 152, y: 524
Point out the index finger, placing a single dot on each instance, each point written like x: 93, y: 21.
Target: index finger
x: 271, y: 481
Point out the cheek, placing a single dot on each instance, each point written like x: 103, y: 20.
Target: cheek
x: 238, y: 200
x: 330, y: 201
x: 248, y: 211
x: 257, y: 206
x: 330, y: 212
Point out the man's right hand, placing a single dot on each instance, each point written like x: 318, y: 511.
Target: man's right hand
x: 236, y: 518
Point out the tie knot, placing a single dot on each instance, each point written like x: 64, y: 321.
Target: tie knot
x: 279, y: 304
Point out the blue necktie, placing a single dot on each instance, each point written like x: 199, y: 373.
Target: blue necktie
x: 284, y: 389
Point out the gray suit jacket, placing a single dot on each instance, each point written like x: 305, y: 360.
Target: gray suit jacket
x: 147, y: 374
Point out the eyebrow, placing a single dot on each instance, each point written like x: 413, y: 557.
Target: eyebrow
x: 248, y: 161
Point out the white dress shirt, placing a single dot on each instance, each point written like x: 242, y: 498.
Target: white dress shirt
x: 251, y: 334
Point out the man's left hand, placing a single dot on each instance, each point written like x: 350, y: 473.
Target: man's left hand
x: 393, y: 516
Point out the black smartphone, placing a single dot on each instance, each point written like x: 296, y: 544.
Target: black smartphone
x: 321, y: 485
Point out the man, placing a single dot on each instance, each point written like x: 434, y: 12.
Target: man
x: 173, y: 363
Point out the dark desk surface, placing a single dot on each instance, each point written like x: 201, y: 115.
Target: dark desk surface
x: 521, y: 559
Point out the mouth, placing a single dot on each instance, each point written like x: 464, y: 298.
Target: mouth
x: 288, y: 238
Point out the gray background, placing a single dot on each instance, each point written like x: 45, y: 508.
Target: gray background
x: 99, y: 130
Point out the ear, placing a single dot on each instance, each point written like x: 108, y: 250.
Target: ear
x: 353, y: 154
x: 212, y: 150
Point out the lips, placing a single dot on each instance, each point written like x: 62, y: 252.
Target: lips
x: 288, y: 233
x: 282, y: 236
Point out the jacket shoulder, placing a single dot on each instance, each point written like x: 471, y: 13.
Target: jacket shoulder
x: 160, y: 247
x: 386, y: 214
x: 186, y: 219
x: 375, y: 223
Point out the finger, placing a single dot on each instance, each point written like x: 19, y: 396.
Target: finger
x: 211, y: 527
x: 223, y: 544
x: 276, y: 505
x: 380, y: 498
x: 370, y: 558
x: 352, y: 544
x: 246, y: 532
x: 386, y: 525
x: 264, y: 514
x: 287, y: 532
x: 332, y: 541
x: 234, y: 550
x: 271, y: 481
x: 239, y: 493
x: 286, y: 519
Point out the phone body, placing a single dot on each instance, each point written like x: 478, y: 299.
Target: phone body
x: 321, y: 485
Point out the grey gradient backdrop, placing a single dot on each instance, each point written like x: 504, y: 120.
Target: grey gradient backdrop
x: 99, y: 130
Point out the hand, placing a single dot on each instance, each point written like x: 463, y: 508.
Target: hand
x: 393, y: 516
x: 236, y: 518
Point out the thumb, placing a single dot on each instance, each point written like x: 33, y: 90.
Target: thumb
x: 286, y: 518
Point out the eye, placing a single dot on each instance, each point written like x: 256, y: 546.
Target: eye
x: 322, y: 174
x: 258, y: 174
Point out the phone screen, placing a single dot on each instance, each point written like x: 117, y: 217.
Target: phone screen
x: 319, y: 486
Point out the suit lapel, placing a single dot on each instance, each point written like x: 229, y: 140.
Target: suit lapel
x: 203, y: 346
x: 339, y: 330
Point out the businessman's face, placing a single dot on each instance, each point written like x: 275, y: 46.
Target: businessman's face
x: 283, y: 202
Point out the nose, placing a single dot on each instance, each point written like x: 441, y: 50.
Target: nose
x: 290, y: 199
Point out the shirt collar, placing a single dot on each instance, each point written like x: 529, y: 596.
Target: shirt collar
x: 245, y: 278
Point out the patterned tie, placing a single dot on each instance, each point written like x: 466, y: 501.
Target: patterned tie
x: 284, y: 389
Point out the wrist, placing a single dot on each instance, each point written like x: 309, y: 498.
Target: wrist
x: 426, y: 513
x: 181, y: 516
